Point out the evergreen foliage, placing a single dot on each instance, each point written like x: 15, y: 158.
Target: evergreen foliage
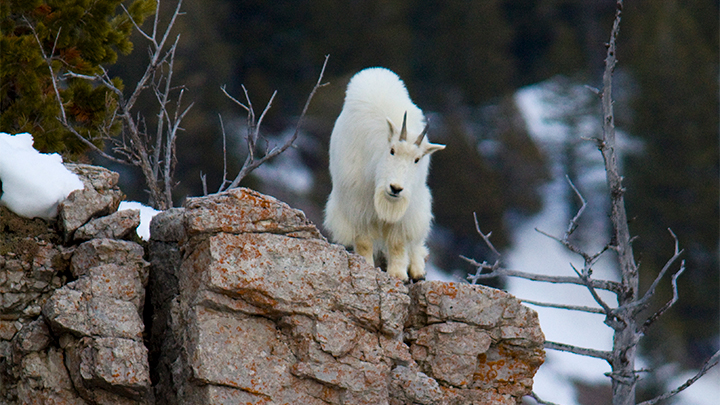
x: 75, y: 35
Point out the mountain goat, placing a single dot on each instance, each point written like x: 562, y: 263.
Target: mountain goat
x: 379, y: 198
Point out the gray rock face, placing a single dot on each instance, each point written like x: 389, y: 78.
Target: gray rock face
x: 264, y: 310
x: 247, y: 303
x: 118, y: 225
x: 74, y: 342
x: 98, y: 318
x: 99, y: 197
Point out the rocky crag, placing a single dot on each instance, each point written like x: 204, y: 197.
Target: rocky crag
x: 72, y: 296
x: 238, y: 299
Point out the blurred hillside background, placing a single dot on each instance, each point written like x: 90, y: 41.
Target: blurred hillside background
x: 463, y: 63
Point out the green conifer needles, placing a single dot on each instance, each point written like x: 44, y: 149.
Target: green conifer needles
x: 63, y: 35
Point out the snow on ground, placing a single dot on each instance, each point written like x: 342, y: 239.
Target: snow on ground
x: 33, y: 183
x: 146, y: 215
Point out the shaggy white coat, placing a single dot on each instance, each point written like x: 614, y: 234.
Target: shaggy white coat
x: 379, y: 198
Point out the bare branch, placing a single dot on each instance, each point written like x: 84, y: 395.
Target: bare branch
x: 579, y: 308
x: 642, y: 303
x: 267, y: 107
x: 153, y: 154
x: 175, y: 14
x: 63, y: 116
x: 585, y: 278
x: 203, y: 180
x: 574, y: 222
x: 48, y: 61
x: 246, y: 108
x: 485, y: 237
x: 250, y: 163
x: 537, y: 399
x: 668, y: 304
x: 709, y: 364
x: 562, y: 347
x: 137, y: 27
x: 599, y: 284
x: 224, y: 141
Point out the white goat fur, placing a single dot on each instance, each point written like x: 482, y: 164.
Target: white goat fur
x: 369, y: 162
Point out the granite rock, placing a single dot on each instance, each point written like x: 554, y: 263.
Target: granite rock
x: 118, y: 225
x: 265, y: 310
x: 99, y: 197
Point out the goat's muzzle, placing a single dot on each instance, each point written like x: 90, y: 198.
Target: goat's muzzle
x: 395, y: 190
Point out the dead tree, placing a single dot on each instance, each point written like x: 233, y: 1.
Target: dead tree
x: 624, y: 319
x: 152, y: 151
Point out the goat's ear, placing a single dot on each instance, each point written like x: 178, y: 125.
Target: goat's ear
x: 432, y: 148
x: 393, y: 129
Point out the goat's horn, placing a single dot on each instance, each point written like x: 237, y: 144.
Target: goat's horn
x: 403, y: 131
x: 422, y: 135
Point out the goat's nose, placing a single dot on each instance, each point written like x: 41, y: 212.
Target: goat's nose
x: 395, y: 189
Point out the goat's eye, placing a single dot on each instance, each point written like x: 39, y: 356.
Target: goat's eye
x: 392, y: 151
x: 417, y: 160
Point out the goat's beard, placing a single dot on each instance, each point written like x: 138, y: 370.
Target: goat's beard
x: 389, y: 209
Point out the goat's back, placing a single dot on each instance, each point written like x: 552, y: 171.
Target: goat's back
x: 376, y: 94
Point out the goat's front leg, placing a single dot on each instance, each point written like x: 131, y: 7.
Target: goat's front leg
x: 418, y: 255
x: 364, y: 247
x: 398, y: 260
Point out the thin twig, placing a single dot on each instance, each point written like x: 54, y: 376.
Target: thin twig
x: 537, y: 399
x: 585, y: 278
x: 224, y: 141
x: 563, y: 347
x: 709, y: 364
x: 500, y: 271
x: 203, y: 180
x: 252, y: 164
x: 485, y: 237
x: 137, y: 27
x: 246, y: 108
x: 643, y: 329
x: 63, y: 116
x: 579, y: 308
x: 642, y: 303
x: 574, y: 222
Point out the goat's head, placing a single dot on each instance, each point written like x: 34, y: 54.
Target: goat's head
x: 402, y: 168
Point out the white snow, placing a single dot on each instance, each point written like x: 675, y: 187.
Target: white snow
x: 146, y: 215
x: 33, y: 183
